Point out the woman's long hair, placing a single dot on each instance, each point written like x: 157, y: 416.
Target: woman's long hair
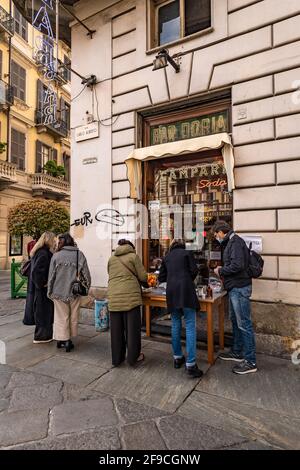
x: 47, y: 239
x: 177, y: 243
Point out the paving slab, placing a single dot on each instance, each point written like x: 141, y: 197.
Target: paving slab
x: 68, y: 370
x: 24, y: 378
x: 252, y: 422
x: 37, y: 396
x: 23, y: 354
x: 76, y: 393
x: 276, y: 386
x: 154, y: 382
x: 15, y: 330
x: 106, y: 439
x: 131, y: 412
x: 142, y: 436
x: 87, y: 330
x: 185, y: 434
x: 22, y: 426
x: 4, y: 404
x: 12, y: 318
x: 80, y: 416
x: 95, y: 351
x: 251, y: 445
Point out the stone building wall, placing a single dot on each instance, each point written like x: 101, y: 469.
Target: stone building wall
x: 253, y: 50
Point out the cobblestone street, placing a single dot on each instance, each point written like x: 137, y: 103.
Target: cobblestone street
x: 53, y: 400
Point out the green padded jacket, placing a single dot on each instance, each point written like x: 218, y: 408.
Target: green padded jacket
x: 124, y: 291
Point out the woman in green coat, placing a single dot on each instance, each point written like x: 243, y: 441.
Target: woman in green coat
x: 126, y: 272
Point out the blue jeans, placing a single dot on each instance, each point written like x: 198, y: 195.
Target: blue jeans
x: 190, y: 329
x: 242, y: 328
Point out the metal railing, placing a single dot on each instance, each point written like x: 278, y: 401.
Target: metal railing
x: 7, y: 22
x: 6, y: 94
x: 18, y: 283
x: 58, y: 127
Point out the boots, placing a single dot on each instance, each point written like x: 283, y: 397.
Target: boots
x: 69, y: 345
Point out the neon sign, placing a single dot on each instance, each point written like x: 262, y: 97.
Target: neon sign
x: 45, y: 56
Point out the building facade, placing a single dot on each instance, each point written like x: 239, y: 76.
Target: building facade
x: 29, y: 144
x: 239, y: 80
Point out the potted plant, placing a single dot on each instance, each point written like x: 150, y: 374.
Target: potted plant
x: 52, y: 169
x: 3, y: 146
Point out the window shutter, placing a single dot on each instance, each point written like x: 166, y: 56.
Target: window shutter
x: 54, y: 155
x: 39, y: 101
x: 38, y: 161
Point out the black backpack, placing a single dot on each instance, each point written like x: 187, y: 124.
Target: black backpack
x: 256, y: 263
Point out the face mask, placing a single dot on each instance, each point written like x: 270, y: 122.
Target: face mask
x: 220, y: 240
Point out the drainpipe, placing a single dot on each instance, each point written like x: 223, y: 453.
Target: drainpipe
x: 9, y: 83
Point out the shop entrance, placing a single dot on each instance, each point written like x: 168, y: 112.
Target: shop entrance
x: 190, y: 181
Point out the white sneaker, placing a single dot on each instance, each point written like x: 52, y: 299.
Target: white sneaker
x: 35, y: 341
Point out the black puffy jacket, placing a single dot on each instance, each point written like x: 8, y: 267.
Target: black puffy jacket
x: 235, y: 260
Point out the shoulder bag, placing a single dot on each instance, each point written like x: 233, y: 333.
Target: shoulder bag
x: 142, y: 284
x: 78, y: 287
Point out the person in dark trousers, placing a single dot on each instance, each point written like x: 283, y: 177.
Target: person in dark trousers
x: 41, y: 308
x: 179, y: 270
x: 126, y: 272
x: 238, y: 283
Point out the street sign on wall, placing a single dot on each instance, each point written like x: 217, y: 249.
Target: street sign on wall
x: 90, y: 131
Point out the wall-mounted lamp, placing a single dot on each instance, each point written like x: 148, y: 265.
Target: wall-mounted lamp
x: 162, y: 59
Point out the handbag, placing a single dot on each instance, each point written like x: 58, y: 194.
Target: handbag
x: 25, y: 268
x: 78, y: 288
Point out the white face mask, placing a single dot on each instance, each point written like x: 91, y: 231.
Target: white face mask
x: 220, y: 240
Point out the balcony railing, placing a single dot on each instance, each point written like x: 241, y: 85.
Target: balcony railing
x: 8, y: 174
x: 6, y: 94
x: 62, y: 75
x: 6, y: 22
x: 46, y: 185
x: 58, y: 127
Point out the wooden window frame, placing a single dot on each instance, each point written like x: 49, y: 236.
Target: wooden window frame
x: 19, y: 158
x: 21, y: 25
x: 17, y: 87
x: 154, y: 7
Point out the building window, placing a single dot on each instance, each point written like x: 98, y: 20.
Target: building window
x: 21, y: 25
x: 172, y: 20
x: 67, y: 71
x: 18, y: 80
x: 44, y: 153
x: 65, y: 113
x: 16, y: 245
x: 18, y: 149
x: 67, y: 165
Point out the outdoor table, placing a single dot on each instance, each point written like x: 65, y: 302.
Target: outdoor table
x: 153, y: 299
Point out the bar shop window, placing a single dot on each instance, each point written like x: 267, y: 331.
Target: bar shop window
x: 16, y: 245
x: 195, y: 185
x: 172, y: 20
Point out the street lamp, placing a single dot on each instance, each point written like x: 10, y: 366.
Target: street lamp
x: 162, y: 59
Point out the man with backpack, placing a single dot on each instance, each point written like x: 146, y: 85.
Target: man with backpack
x: 236, y: 273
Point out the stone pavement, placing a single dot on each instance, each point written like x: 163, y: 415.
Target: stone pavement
x: 53, y: 400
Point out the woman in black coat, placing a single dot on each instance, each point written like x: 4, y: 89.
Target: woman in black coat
x: 40, y: 312
x: 179, y: 270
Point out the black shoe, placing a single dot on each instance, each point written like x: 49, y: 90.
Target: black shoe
x: 178, y: 362
x: 69, y: 346
x: 244, y: 368
x: 60, y: 344
x: 230, y: 356
x: 194, y: 372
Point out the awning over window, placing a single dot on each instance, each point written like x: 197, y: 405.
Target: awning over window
x: 216, y: 141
